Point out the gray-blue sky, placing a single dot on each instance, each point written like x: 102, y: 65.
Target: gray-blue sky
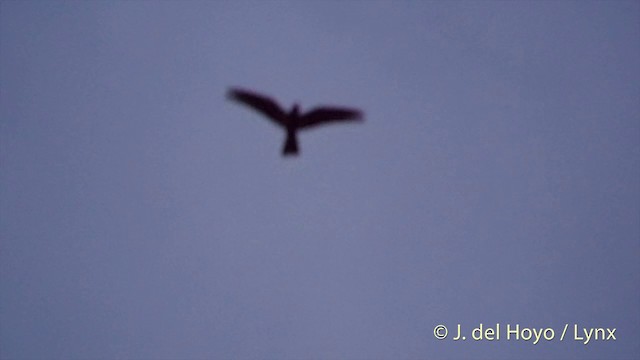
x: 496, y: 179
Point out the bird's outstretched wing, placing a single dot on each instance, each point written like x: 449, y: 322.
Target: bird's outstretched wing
x: 324, y: 115
x: 260, y: 103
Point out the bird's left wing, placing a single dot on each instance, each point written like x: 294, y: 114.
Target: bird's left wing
x: 260, y: 103
x: 324, y: 115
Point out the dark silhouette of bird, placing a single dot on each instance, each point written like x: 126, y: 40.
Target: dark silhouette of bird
x: 293, y: 120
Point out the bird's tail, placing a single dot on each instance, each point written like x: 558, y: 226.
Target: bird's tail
x: 290, y: 145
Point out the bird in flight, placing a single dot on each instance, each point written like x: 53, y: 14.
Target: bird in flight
x: 293, y: 120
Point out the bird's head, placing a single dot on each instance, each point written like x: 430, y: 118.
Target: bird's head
x: 295, y: 111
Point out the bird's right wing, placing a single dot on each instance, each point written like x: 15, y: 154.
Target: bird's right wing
x: 260, y: 103
x: 326, y: 114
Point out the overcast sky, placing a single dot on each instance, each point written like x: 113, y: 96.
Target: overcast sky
x: 496, y: 179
